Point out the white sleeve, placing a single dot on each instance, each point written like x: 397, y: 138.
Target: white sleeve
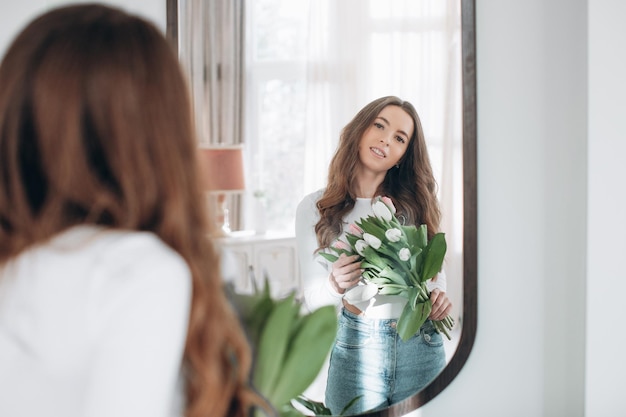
x: 440, y: 281
x: 314, y: 270
x: 139, y: 329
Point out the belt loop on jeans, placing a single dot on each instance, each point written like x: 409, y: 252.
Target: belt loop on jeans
x: 352, y: 309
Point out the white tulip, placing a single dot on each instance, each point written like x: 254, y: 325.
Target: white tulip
x: 404, y: 254
x: 372, y: 240
x: 360, y: 246
x: 382, y: 211
x: 393, y: 235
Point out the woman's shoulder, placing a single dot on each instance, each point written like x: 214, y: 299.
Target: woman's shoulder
x: 314, y: 196
x: 92, y: 269
x: 118, y: 249
x: 105, y: 240
x: 309, y: 201
x: 307, y: 208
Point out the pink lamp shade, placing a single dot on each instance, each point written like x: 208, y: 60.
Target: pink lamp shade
x: 223, y: 169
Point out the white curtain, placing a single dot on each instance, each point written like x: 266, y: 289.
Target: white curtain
x: 211, y: 49
x: 212, y: 40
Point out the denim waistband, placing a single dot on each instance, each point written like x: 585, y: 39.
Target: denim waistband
x: 376, y: 324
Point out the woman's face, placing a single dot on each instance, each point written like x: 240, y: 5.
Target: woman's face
x: 384, y: 143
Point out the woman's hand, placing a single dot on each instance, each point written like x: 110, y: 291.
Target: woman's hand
x: 441, y: 305
x: 346, y: 273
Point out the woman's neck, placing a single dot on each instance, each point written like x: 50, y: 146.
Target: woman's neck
x: 367, y: 184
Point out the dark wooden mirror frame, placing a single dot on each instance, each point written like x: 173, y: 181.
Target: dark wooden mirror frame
x: 470, y: 217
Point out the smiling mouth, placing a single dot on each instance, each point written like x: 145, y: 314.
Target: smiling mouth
x: 378, y: 152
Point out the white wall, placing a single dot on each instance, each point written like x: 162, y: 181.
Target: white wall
x: 552, y: 210
x: 606, y: 286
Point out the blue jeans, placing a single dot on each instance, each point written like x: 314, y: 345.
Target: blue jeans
x: 369, y: 359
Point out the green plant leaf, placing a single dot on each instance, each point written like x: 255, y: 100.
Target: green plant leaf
x: 256, y: 321
x: 273, y: 344
x: 252, y: 309
x: 412, y: 295
x: 368, y: 265
x: 418, y: 236
x: 415, y: 235
x: 350, y: 403
x: 369, y: 226
x: 412, y: 319
x: 435, y: 253
x: 344, y: 251
x: 388, y: 290
x: 387, y: 252
x: 328, y: 256
x: 352, y: 239
x: 369, y: 274
x: 378, y: 280
x: 306, y: 354
x: 374, y: 257
x: 289, y: 410
x: 318, y: 408
x: 394, y: 276
x: 415, y: 260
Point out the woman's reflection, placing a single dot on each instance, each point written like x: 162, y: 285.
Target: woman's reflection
x: 381, y: 152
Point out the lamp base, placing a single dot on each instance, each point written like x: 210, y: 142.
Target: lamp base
x: 218, y: 233
x: 221, y: 227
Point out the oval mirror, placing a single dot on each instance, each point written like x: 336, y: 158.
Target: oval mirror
x: 458, y: 88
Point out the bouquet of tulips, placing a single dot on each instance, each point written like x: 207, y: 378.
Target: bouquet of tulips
x: 398, y: 260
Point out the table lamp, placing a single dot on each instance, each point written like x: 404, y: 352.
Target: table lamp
x: 224, y: 176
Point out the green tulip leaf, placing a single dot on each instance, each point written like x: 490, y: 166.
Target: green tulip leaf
x: 387, y: 290
x: 369, y: 265
x: 372, y: 228
x: 388, y: 253
x: 422, y: 236
x: 394, y: 276
x: 374, y: 257
x: 352, y: 239
x: 413, y: 296
x: 412, y: 319
x: 378, y: 280
x: 328, y: 256
x: 435, y: 252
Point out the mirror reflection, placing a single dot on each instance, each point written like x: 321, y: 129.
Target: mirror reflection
x: 379, y: 269
x: 283, y: 78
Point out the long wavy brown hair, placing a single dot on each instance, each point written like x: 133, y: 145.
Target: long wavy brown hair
x: 96, y: 128
x: 411, y: 185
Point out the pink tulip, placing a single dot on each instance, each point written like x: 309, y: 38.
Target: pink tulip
x: 340, y: 244
x: 389, y: 204
x: 355, y: 230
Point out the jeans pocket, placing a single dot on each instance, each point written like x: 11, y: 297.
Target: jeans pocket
x: 351, y: 336
x: 430, y: 336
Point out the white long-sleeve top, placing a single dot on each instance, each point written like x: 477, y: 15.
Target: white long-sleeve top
x: 315, y: 270
x: 92, y: 324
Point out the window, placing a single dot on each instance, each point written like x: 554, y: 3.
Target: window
x: 311, y: 65
x: 275, y: 104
